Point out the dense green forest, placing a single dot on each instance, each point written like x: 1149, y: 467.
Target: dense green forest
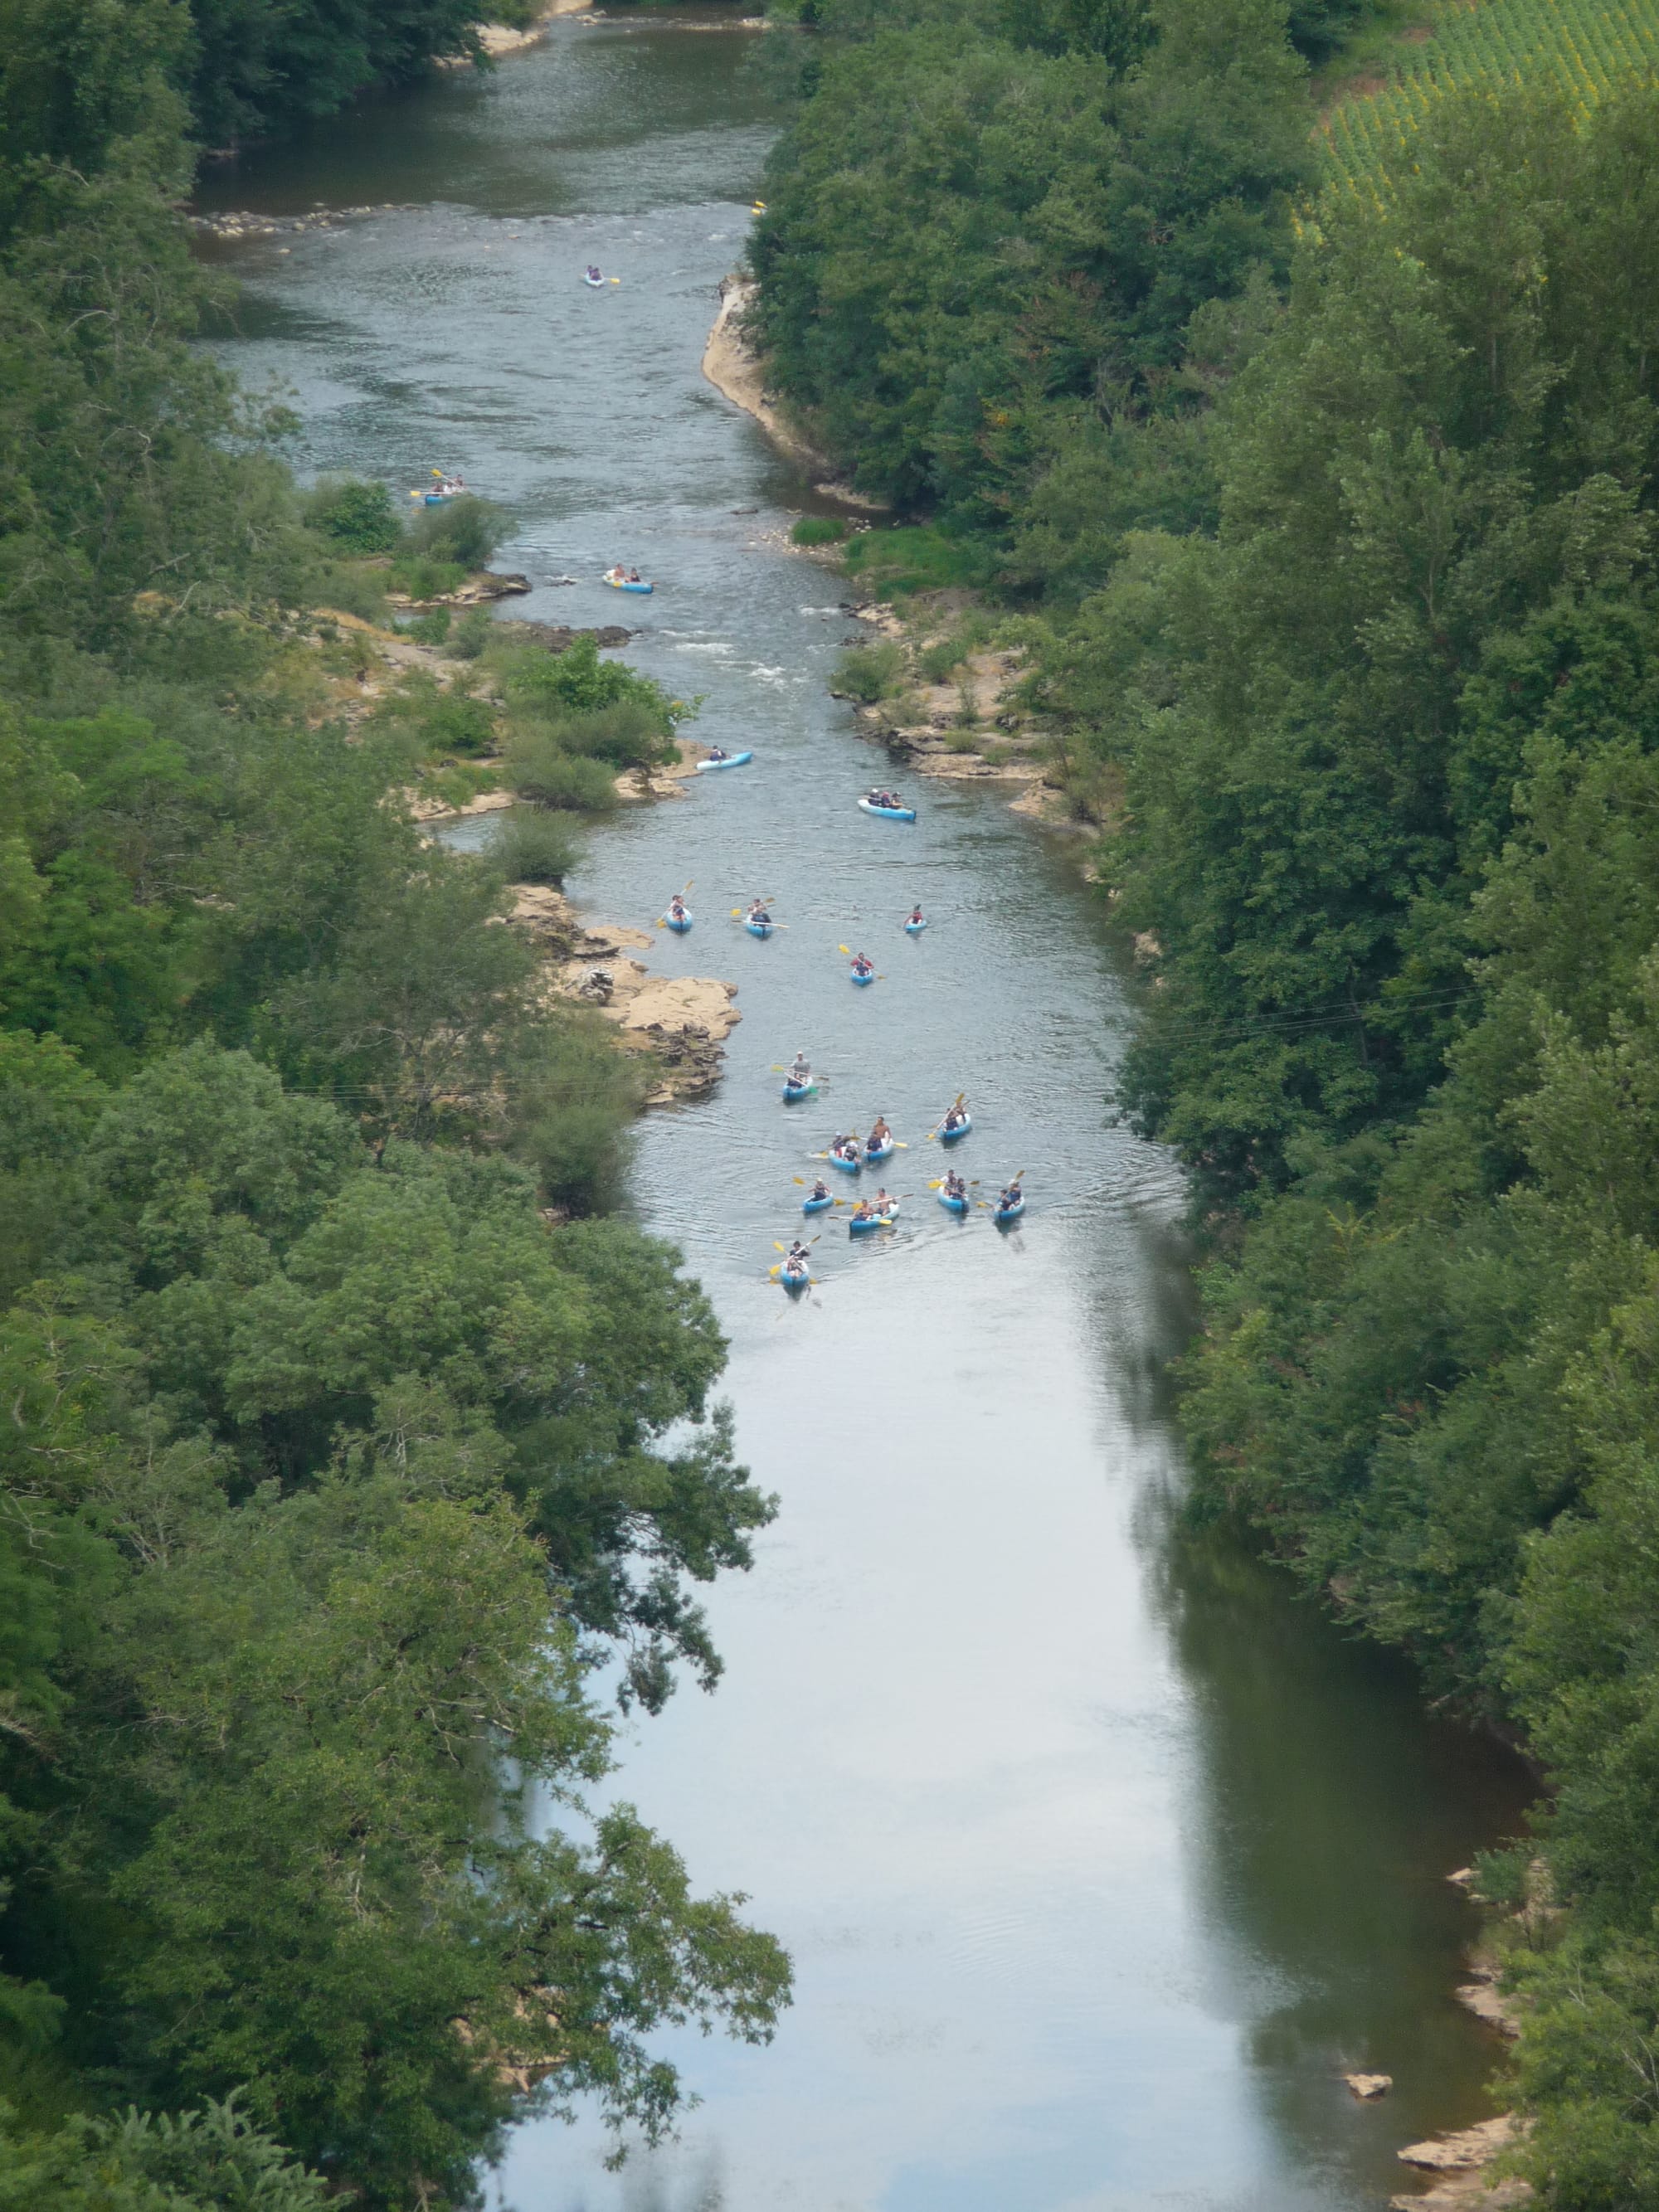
x: 353, y: 1455
x: 1328, y: 527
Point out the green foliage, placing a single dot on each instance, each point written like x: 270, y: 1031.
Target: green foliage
x: 537, y: 767
x: 870, y: 672
x: 209, y: 2160
x: 978, y: 252
x: 464, y: 530
x: 332, y: 1469
x: 470, y: 636
x: 355, y: 514
x: 917, y: 557
x: 534, y: 848
x: 818, y: 530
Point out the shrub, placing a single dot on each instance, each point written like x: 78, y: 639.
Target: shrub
x: 538, y: 770
x: 535, y: 847
x: 429, y: 629
x: 572, y: 1106
x: 355, y: 514
x: 629, y: 734
x: 471, y: 636
x: 870, y: 672
x: 423, y: 578
x: 576, y: 681
x: 818, y: 530
x: 467, y: 530
x: 918, y: 557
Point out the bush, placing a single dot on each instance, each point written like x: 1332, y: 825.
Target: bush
x: 467, y: 530
x: 471, y: 636
x: 918, y: 557
x: 938, y: 659
x: 870, y: 672
x: 628, y: 735
x: 818, y: 530
x: 355, y: 514
x: 535, y: 847
x: 538, y: 770
x: 572, y: 1107
x: 429, y: 630
x: 423, y: 578
x: 577, y: 682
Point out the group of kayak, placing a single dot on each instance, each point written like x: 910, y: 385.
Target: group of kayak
x: 758, y: 920
x: 851, y: 1154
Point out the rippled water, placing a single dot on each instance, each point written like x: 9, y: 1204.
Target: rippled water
x: 1098, y: 1856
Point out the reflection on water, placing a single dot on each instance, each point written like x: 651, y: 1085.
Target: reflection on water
x: 1098, y: 1855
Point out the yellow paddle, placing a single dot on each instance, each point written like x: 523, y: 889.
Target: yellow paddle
x: 662, y: 918
x: 940, y: 1124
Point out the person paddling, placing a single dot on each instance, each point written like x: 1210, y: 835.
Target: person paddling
x: 914, y: 920
x: 799, y: 1070
x: 757, y: 913
x: 862, y: 965
x: 676, y: 909
x: 880, y: 1134
x: 820, y: 1191
x: 717, y: 752
x: 954, y: 1117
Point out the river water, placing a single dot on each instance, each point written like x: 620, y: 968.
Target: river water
x: 1099, y: 1855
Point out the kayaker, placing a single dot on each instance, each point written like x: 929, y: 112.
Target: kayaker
x: 880, y: 1133
x: 1011, y: 1196
x: 633, y: 575
x: 595, y: 275
x: 954, y: 1185
x: 799, y: 1070
x: 676, y: 909
x: 886, y: 1205
x: 845, y: 1148
x: 820, y: 1190
x: 799, y: 1255
x: 862, y: 965
x: 915, y: 917
x: 758, y: 912
x: 863, y: 1211
x: 954, y: 1117
x: 717, y: 753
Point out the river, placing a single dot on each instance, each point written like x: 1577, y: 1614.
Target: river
x: 1098, y: 1855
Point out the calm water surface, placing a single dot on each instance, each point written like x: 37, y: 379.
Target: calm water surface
x: 1098, y: 1856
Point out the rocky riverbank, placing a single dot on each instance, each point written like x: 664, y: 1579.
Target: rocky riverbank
x: 680, y: 1021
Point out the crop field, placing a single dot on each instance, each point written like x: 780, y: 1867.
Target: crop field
x: 1586, y: 46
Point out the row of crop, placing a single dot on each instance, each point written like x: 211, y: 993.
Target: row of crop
x: 1585, y: 48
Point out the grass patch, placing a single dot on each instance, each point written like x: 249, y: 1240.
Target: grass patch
x: 869, y: 673
x: 818, y: 530
x: 917, y: 557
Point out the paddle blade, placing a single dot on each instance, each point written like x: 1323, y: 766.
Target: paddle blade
x: 776, y: 1247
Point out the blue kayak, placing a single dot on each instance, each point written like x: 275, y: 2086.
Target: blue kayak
x: 914, y: 929
x: 680, y: 925
x: 760, y: 928
x: 952, y: 1205
x: 868, y: 977
x: 889, y: 813
x: 872, y: 1221
x: 794, y: 1278
x: 731, y: 760
x: 846, y: 1166
x: 794, y: 1090
x: 872, y: 1153
x: 617, y: 585
x: 955, y: 1136
x: 816, y: 1204
x: 1002, y: 1215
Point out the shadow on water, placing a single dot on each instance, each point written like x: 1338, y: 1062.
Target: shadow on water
x: 1097, y: 1854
